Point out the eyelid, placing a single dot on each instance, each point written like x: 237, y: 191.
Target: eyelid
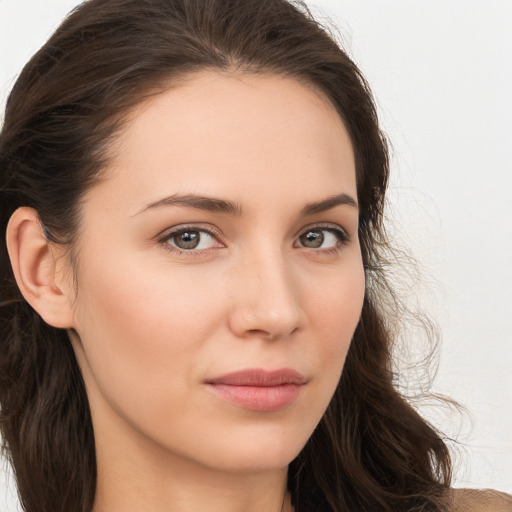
x: 163, y: 237
x: 168, y: 233
x: 328, y: 226
x: 342, y: 235
x: 211, y: 230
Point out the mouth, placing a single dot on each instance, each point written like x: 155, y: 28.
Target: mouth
x: 259, y: 390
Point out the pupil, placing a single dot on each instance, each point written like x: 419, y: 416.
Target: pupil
x: 188, y: 240
x: 312, y: 239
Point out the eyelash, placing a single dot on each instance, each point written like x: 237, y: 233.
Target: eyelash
x: 342, y: 236
x: 164, y: 240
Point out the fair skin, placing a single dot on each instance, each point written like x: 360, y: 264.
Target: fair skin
x: 271, y: 278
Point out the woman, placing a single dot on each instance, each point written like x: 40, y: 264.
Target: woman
x: 195, y: 310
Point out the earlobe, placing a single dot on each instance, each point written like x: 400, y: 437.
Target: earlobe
x: 35, y: 269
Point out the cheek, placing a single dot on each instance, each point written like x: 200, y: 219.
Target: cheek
x: 149, y: 303
x: 335, y: 307
x: 334, y: 312
x: 139, y: 326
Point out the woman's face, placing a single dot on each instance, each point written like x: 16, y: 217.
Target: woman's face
x: 219, y: 274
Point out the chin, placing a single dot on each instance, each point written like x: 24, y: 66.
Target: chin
x: 256, y: 451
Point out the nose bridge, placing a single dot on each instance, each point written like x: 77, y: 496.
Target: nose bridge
x: 268, y: 301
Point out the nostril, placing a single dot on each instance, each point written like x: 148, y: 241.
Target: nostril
x: 262, y: 332
x: 271, y: 336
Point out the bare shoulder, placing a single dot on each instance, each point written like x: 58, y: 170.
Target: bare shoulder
x: 480, y: 500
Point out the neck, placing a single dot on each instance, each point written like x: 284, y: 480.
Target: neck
x: 179, y: 489
x: 135, y: 475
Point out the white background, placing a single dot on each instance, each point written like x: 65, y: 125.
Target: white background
x: 441, y: 73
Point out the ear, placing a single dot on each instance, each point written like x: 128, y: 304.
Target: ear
x: 34, y: 262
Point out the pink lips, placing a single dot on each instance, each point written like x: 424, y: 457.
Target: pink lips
x: 259, y: 390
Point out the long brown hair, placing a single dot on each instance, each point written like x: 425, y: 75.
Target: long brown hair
x: 371, y: 451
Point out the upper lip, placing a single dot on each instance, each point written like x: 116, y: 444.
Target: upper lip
x: 260, y: 377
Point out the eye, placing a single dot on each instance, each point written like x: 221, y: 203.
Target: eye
x: 322, y: 238
x: 190, y: 239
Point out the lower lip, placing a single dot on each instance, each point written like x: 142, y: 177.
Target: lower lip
x: 259, y: 398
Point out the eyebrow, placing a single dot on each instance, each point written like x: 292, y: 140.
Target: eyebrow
x: 198, y: 202
x: 328, y: 204
x: 213, y: 204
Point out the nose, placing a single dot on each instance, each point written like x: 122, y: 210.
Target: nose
x: 266, y: 302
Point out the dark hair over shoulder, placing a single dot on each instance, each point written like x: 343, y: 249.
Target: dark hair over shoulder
x: 371, y: 450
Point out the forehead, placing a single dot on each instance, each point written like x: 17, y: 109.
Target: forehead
x: 233, y: 135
